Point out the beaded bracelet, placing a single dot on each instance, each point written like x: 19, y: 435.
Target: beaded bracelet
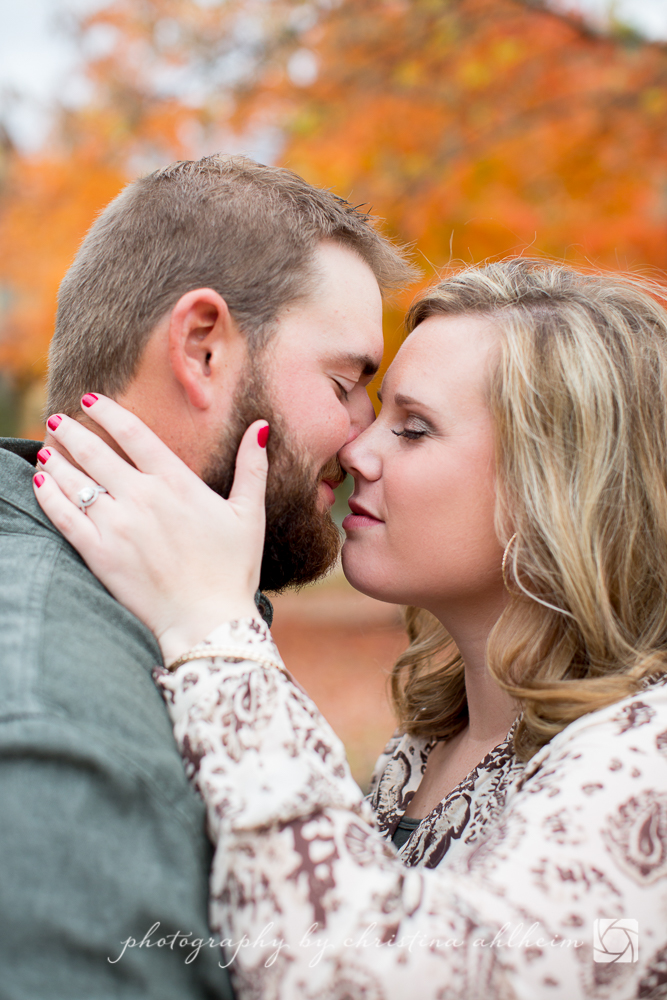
x: 206, y: 652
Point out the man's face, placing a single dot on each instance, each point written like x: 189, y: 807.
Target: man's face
x: 310, y: 384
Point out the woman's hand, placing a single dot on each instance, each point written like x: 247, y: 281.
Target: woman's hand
x: 181, y: 558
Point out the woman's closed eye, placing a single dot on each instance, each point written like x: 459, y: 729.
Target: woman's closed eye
x: 408, y: 434
x: 413, y: 431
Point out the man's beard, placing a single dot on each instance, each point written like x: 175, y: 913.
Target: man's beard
x: 302, y: 542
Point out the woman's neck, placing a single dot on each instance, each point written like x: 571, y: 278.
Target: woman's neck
x: 491, y: 710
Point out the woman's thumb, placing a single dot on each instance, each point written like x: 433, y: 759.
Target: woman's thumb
x: 252, y: 466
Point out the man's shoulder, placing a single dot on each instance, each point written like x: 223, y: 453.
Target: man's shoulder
x: 67, y: 648
x: 97, y: 811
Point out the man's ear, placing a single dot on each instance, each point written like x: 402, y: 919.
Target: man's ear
x: 205, y: 345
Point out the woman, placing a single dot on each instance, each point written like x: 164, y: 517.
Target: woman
x: 514, y: 490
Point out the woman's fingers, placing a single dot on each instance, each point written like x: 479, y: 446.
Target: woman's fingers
x: 96, y: 458
x: 176, y: 554
x: 252, y: 466
x: 70, y: 521
x: 67, y: 477
x: 148, y: 452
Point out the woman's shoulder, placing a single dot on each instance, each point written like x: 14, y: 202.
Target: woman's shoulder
x: 585, y: 827
x: 607, y: 771
x: 624, y: 730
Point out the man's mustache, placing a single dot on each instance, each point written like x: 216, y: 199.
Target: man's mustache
x: 333, y: 471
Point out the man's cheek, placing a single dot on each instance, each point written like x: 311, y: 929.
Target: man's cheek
x: 321, y: 434
x: 336, y: 432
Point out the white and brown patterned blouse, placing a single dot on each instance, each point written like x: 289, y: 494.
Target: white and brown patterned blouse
x: 460, y: 821
x: 541, y: 881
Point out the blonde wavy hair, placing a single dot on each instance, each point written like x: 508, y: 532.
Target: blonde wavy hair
x: 579, y: 400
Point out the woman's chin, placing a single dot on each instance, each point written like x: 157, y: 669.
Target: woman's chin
x: 368, y: 579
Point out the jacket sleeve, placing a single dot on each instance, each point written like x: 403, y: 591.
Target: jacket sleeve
x: 86, y: 907
x: 314, y: 903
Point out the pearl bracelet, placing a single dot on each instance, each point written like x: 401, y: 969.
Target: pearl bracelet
x: 210, y: 652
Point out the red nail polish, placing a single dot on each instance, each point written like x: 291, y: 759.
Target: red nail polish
x: 263, y: 436
x: 53, y: 422
x: 43, y: 455
x: 89, y: 399
x: 38, y: 479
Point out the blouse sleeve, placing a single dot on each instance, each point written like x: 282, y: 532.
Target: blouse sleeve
x: 311, y: 902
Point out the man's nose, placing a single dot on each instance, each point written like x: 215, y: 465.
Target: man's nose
x: 361, y: 413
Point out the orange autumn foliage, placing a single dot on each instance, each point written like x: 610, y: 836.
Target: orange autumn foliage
x: 52, y: 205
x: 480, y: 128
x: 475, y: 127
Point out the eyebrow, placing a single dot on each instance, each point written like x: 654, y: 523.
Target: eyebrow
x: 363, y: 363
x: 400, y: 400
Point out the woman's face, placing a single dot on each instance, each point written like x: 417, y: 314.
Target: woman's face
x: 421, y: 530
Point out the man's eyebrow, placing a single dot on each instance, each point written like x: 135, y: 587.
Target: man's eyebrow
x: 363, y: 363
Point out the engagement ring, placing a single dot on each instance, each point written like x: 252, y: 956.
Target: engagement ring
x: 88, y: 495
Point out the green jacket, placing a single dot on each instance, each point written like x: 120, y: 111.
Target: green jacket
x: 101, y: 836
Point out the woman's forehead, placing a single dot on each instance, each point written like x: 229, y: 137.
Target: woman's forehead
x: 442, y: 351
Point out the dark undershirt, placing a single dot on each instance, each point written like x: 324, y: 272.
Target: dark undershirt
x: 405, y: 827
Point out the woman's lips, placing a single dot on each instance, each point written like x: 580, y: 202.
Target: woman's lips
x: 359, y: 518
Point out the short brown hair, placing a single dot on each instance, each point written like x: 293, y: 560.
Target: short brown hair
x: 246, y: 230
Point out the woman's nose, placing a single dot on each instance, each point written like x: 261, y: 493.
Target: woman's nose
x: 359, y: 457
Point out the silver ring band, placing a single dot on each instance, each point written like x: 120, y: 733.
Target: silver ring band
x: 88, y: 495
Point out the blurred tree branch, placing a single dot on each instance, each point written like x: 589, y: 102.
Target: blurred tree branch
x: 475, y: 127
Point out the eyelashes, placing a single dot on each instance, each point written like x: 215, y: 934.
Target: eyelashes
x: 345, y: 393
x: 409, y: 435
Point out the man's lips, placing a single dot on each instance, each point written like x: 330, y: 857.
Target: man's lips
x: 360, y: 517
x: 329, y: 487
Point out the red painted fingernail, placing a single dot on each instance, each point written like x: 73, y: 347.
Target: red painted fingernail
x: 53, y: 422
x: 89, y: 399
x: 43, y: 455
x: 263, y: 436
x: 38, y: 479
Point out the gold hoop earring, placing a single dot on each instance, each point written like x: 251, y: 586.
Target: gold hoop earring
x: 504, y: 562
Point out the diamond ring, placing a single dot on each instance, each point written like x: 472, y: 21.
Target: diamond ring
x: 88, y: 495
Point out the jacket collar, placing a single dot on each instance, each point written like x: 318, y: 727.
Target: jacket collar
x: 17, y: 467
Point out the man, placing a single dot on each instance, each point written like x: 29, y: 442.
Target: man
x: 206, y: 295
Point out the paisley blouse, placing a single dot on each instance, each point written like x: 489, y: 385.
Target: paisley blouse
x: 528, y: 881
x: 461, y: 820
